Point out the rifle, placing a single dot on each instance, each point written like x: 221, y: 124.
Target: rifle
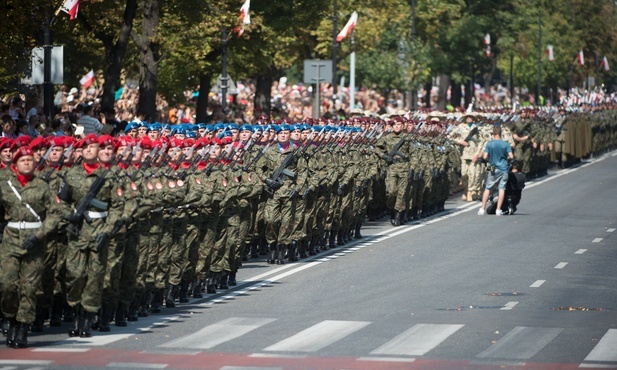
x: 396, y: 149
x: 80, y: 211
x: 41, y: 164
x: 472, y: 133
x: 65, y: 154
x: 258, y: 156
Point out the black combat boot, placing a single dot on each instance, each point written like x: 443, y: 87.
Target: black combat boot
x: 171, y: 296
x: 104, y: 318
x: 357, y: 234
x: 223, y: 280
x: 11, y: 330
x: 183, y: 296
x: 69, y: 312
x: 293, y: 251
x: 56, y: 311
x: 281, y: 254
x: 272, y: 255
x: 157, y: 300
x: 255, y: 249
x: 39, y: 320
x: 332, y: 239
x: 304, y: 245
x: 144, y: 304
x: 6, y: 325
x: 397, y: 219
x: 21, y: 336
x: 121, y: 312
x: 212, y: 280
x: 78, y: 323
x: 86, y: 329
x: 232, y: 279
x: 313, y: 247
x: 133, y: 314
x: 197, y: 287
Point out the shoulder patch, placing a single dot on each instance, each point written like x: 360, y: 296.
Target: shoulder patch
x: 224, y: 183
x: 159, y: 186
x: 134, y: 186
x: 198, y: 181
x: 119, y: 192
x: 171, y: 184
x: 149, y: 186
x: 180, y: 183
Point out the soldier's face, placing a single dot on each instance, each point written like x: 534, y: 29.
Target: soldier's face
x: 25, y: 165
x: 153, y: 135
x: 216, y: 152
x: 305, y: 135
x: 145, y: 153
x: 245, y: 135
x: 142, y: 131
x: 56, y: 153
x: 6, y: 155
x: 132, y: 133
x: 174, y: 154
x: 283, y: 136
x: 122, y: 152
x: 106, y: 153
x: 39, y: 153
x: 138, y: 155
x: 296, y: 135
x: 234, y: 134
x: 91, y: 152
x: 397, y: 127
x: 77, y: 153
x: 187, y: 152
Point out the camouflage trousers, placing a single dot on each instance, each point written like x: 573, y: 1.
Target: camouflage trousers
x: 20, y: 279
x: 279, y: 215
x: 397, y: 188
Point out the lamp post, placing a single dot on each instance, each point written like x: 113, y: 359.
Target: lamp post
x: 539, y: 52
x: 414, y: 93
x: 334, y: 46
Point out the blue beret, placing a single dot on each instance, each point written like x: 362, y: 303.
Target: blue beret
x: 283, y: 127
x: 219, y: 126
x: 191, y: 135
x: 232, y: 126
x: 246, y: 127
x: 131, y: 126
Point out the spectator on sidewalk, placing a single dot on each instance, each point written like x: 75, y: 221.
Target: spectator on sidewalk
x: 90, y: 124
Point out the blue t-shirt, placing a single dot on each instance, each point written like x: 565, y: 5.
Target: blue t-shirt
x: 498, y: 153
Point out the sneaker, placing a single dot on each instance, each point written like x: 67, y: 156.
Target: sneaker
x: 481, y: 212
x: 499, y: 212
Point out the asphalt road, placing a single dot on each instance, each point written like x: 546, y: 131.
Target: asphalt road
x: 537, y: 289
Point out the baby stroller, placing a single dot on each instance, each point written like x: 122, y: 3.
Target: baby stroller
x: 514, y: 189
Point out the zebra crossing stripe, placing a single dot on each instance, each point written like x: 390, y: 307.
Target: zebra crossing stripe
x: 213, y: 335
x: 318, y: 336
x: 521, y: 343
x: 606, y: 349
x: 418, y: 340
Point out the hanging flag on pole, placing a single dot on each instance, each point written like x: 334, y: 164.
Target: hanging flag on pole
x: 580, y: 58
x: 87, y: 80
x: 549, y: 52
x: 487, y: 42
x: 245, y: 18
x: 605, y: 64
x: 70, y: 7
x: 351, y: 24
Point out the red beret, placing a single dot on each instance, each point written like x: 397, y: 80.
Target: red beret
x: 125, y: 140
x: 38, y: 143
x: 58, y: 140
x: 175, y: 143
x: 187, y: 143
x: 202, y: 142
x: 20, y: 142
x: 69, y: 140
x: 146, y: 143
x: 226, y: 140
x: 23, y: 151
x: 90, y: 139
x: 106, y: 140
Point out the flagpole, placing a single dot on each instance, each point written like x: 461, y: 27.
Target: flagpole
x: 352, y: 74
x: 539, y: 52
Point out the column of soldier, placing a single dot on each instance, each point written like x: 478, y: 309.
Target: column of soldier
x: 109, y: 229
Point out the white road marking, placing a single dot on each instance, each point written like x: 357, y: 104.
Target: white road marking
x: 561, y: 265
x: 26, y: 362
x: 606, y: 349
x: 250, y: 368
x: 510, y: 305
x: 387, y: 359
x: 521, y: 343
x: 61, y: 349
x: 537, y: 283
x: 275, y: 355
x: 136, y: 365
x: 580, y: 251
x: 597, y: 366
x: 610, y: 230
x: 318, y: 336
x: 597, y: 240
x: 221, y: 332
x: 418, y: 340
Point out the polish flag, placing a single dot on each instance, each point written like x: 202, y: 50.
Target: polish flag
x: 87, y: 80
x: 351, y: 24
x: 580, y: 58
x: 71, y: 7
x: 605, y: 64
x: 487, y: 39
x: 245, y: 18
x: 549, y: 52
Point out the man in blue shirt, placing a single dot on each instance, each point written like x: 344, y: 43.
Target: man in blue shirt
x: 497, y: 152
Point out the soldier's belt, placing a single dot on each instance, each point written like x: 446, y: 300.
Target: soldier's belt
x: 23, y: 225
x: 94, y: 215
x: 156, y: 210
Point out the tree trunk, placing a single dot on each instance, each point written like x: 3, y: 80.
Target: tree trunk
x: 427, y: 97
x: 489, y: 75
x: 114, y: 52
x: 457, y: 95
x: 148, y: 58
x: 263, y: 94
x: 205, y: 84
x: 444, y: 83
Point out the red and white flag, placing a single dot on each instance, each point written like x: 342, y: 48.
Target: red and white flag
x: 245, y: 18
x: 605, y: 64
x: 351, y: 24
x: 487, y: 42
x: 580, y: 58
x: 71, y: 7
x: 87, y: 80
x: 549, y: 52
